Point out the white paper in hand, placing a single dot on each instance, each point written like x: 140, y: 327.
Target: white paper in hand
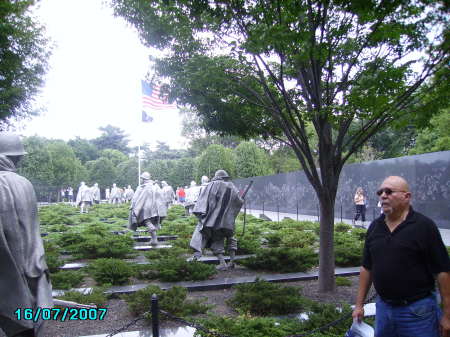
x: 360, y: 329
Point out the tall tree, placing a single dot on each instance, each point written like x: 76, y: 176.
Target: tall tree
x: 183, y: 172
x: 112, y: 138
x: 251, y: 161
x: 24, y: 51
x: 102, y: 171
x: 216, y: 157
x: 84, y: 149
x: 265, y: 68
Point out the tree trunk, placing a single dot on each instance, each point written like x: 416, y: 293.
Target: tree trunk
x: 326, y: 253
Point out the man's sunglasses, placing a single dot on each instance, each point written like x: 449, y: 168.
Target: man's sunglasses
x: 388, y: 191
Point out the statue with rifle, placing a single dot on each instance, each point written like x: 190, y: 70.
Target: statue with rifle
x: 217, y: 207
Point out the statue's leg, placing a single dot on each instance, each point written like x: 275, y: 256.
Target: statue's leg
x: 218, y: 249
x: 232, y: 248
x: 153, y: 226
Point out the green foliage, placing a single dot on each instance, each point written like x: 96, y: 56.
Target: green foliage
x: 251, y: 161
x: 297, y: 239
x: 282, y: 260
x: 52, y: 256
x: 214, y: 158
x: 96, y: 297
x: 264, y: 298
x: 284, y: 160
x: 112, y: 138
x: 101, y: 171
x: 183, y: 172
x: 173, y: 269
x: 110, y: 271
x: 174, y: 212
x: 24, y: 51
x: 94, y: 246
x: 84, y: 149
x: 342, y: 227
x: 66, y: 279
x: 436, y: 137
x: 172, y: 300
x: 343, y: 282
x: 157, y: 254
x: 247, y: 244
x: 348, y: 250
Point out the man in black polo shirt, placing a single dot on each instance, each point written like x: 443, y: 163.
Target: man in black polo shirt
x: 403, y: 255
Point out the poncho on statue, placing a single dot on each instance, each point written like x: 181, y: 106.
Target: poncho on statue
x: 217, y: 207
x: 147, y: 203
x: 24, y: 281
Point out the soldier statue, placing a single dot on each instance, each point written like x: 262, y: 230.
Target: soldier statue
x: 216, y: 209
x: 24, y: 275
x: 147, y: 207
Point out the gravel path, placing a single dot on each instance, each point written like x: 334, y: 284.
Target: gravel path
x: 118, y: 314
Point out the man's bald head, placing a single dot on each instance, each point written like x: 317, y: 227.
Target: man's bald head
x: 396, y: 182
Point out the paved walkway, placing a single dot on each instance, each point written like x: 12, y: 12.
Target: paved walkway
x: 445, y: 233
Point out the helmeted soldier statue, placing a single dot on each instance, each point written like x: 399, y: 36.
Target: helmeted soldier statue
x: 147, y: 207
x: 191, y: 197
x: 24, y: 275
x: 115, y: 197
x: 217, y: 207
x: 128, y: 194
x: 84, y: 197
x: 168, y: 193
x: 95, y: 192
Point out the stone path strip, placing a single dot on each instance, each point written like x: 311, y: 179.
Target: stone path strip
x: 220, y: 283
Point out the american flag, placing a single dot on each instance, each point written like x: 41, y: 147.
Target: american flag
x: 151, y: 99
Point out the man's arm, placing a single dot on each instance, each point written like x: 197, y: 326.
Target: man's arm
x: 365, y: 281
x: 443, y: 279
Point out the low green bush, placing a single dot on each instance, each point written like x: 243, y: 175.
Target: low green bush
x: 97, y: 246
x: 282, y: 260
x: 264, y: 298
x: 247, y: 244
x: 52, y: 256
x: 343, y: 282
x: 174, y: 212
x: 274, y: 239
x: 173, y: 300
x: 110, y: 271
x: 66, y: 279
x: 68, y: 239
x: 342, y: 227
x: 97, y: 297
x: 178, y: 269
x: 298, y: 239
x: 347, y: 250
x: 359, y: 233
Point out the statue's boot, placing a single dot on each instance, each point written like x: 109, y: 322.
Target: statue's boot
x: 196, y: 256
x: 231, y: 265
x: 222, y: 264
x: 154, y: 240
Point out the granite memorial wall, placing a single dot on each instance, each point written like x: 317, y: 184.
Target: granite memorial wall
x: 428, y: 176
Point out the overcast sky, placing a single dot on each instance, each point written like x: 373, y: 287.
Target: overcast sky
x: 94, y: 77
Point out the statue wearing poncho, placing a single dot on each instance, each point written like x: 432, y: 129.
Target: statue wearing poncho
x: 24, y: 275
x: 147, y: 207
x: 217, y: 207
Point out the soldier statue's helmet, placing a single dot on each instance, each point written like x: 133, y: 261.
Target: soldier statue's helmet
x: 145, y: 176
x: 164, y: 183
x: 193, y: 183
x: 220, y: 174
x: 11, y: 144
x: 204, y: 179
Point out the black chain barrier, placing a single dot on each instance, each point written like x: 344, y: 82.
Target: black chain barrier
x: 126, y: 326
x: 213, y: 333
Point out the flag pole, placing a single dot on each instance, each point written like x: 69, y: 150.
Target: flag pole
x: 139, y: 163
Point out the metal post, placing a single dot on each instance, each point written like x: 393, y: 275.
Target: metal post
x: 278, y: 212
x: 373, y: 213
x: 245, y: 216
x: 139, y: 165
x: 263, y: 207
x: 341, y: 211
x: 297, y: 210
x: 155, y: 318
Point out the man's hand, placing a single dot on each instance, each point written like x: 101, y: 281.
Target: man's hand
x: 358, y: 313
x: 445, y: 326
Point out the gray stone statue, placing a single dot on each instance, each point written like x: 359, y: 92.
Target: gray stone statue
x: 216, y: 208
x: 24, y: 275
x: 84, y: 197
x: 128, y: 194
x: 147, y: 207
x: 168, y: 193
x: 192, y: 194
x: 95, y: 192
